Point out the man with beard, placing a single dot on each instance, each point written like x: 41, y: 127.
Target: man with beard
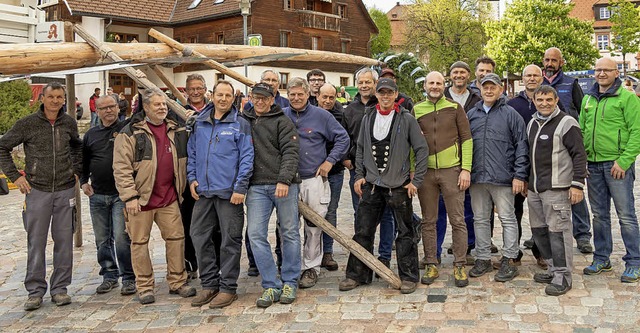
x: 484, y: 66
x: 570, y: 95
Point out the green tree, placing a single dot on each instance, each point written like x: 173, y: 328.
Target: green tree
x: 14, y: 103
x: 445, y: 31
x: 381, y: 42
x: 529, y: 27
x: 625, y: 20
x: 404, y: 64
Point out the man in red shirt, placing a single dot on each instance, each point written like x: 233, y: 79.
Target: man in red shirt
x: 93, y: 109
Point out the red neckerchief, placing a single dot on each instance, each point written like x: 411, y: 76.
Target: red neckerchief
x: 395, y: 108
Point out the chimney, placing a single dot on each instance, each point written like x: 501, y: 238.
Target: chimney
x: 398, y: 3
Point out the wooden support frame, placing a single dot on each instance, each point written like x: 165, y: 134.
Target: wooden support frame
x: 169, y: 84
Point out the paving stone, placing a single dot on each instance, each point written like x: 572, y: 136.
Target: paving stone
x: 407, y: 315
x: 526, y: 308
x: 136, y: 325
x: 500, y: 308
x: 357, y: 315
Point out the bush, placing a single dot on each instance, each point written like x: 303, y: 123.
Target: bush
x: 14, y: 103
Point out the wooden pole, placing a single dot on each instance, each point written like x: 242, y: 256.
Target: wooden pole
x: 188, y: 51
x: 107, y: 52
x: 70, y: 82
x: 353, y: 247
x: 169, y: 84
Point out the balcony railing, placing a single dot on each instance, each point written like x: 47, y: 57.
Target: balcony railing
x: 318, y: 20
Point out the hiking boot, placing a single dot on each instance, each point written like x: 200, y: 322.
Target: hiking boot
x: 408, y: 287
x: 543, y: 278
x: 106, y: 286
x: 253, y: 271
x: 460, y: 276
x: 480, y: 268
x: 516, y: 262
x: 128, y: 288
x: 348, y: 284
x: 61, y: 299
x: 204, y: 297
x: 328, y: 262
x: 430, y: 274
x: 556, y: 289
x: 269, y: 296
x: 288, y: 294
x: 507, y: 271
x: 385, y: 262
x: 584, y: 246
x: 494, y: 248
x: 33, y: 303
x: 631, y: 274
x: 529, y: 243
x: 422, y: 263
x: 309, y: 278
x: 184, y: 291
x: 146, y: 297
x: 222, y: 300
x: 597, y: 267
x: 542, y: 263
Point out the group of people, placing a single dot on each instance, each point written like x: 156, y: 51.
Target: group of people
x: 466, y: 152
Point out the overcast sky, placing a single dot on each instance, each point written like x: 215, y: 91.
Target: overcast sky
x: 383, y: 5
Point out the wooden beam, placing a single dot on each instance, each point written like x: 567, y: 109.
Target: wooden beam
x: 107, y: 52
x: 365, y: 256
x: 188, y: 51
x: 169, y: 84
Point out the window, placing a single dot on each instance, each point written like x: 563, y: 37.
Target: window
x: 284, y: 79
x: 285, y: 38
x: 394, y: 15
x: 626, y: 66
x: 220, y: 37
x: 288, y: 4
x: 345, y: 46
x: 310, y: 4
x: 192, y: 39
x: 603, y: 42
x: 344, y: 81
x: 316, y: 43
x: 604, y: 13
x: 219, y: 76
x: 342, y: 11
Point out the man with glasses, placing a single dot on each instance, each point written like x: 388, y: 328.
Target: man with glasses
x: 610, y: 123
x: 316, y: 79
x: 106, y: 208
x: 571, y: 96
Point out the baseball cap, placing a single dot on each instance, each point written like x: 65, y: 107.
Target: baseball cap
x: 491, y: 77
x: 386, y: 71
x: 386, y: 83
x: 262, y: 89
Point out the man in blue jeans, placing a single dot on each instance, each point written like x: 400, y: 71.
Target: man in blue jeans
x: 107, y: 210
x: 610, y: 123
x: 274, y: 183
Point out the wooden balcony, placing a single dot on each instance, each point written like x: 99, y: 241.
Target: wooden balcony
x: 318, y: 20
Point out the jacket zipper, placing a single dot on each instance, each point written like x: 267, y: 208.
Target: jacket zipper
x: 53, y: 136
x: 533, y: 158
x: 435, y: 134
x: 593, y: 133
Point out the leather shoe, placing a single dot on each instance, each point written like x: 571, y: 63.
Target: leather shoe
x: 348, y: 284
x: 222, y: 299
x: 408, y: 287
x: 204, y: 297
x: 184, y: 291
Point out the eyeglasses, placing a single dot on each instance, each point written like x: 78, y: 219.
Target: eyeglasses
x: 386, y: 92
x: 112, y: 107
x: 257, y: 98
x: 198, y: 89
x: 604, y: 70
x: 316, y: 80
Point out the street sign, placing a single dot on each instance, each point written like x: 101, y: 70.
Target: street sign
x: 50, y: 32
x: 254, y: 40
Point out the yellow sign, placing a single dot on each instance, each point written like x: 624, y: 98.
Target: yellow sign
x: 254, y: 40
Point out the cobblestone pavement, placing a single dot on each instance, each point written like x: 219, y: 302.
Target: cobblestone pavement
x: 595, y: 304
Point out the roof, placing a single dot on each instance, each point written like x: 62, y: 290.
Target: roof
x: 154, y: 11
x: 583, y: 9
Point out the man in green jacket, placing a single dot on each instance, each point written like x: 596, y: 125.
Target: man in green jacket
x: 610, y: 123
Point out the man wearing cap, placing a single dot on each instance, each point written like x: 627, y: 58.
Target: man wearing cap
x: 402, y: 99
x: 388, y: 135
x: 274, y: 183
x: 218, y: 170
x: 499, y: 171
x: 484, y: 66
x: 316, y: 128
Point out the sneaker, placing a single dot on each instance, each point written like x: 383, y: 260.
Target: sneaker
x: 507, y: 271
x: 128, y: 288
x: 222, y: 300
x: 480, y: 268
x: 543, y: 278
x: 408, y: 287
x: 328, y: 262
x: 309, y: 278
x: 597, y: 267
x: 460, y: 276
x: 253, y: 271
x: 553, y: 289
x: 385, y: 262
x: 288, y: 294
x: 33, y: 303
x: 269, y: 296
x: 430, y: 274
x: 106, y: 286
x: 584, y: 246
x: 61, y: 299
x: 146, y: 297
x: 494, y: 248
x: 422, y: 263
x: 529, y: 243
x: 204, y: 297
x: 631, y: 274
x: 184, y: 291
x: 348, y: 284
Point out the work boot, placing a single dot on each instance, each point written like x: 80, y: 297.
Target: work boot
x: 106, y: 286
x: 408, y: 287
x: 507, y: 272
x: 146, y: 297
x: 61, y: 299
x: 184, y: 291
x: 222, y: 299
x: 543, y: 278
x: 309, y: 278
x: 328, y: 262
x: 128, y: 288
x: 348, y: 284
x: 33, y: 303
x: 480, y: 268
x: 584, y: 246
x: 204, y: 297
